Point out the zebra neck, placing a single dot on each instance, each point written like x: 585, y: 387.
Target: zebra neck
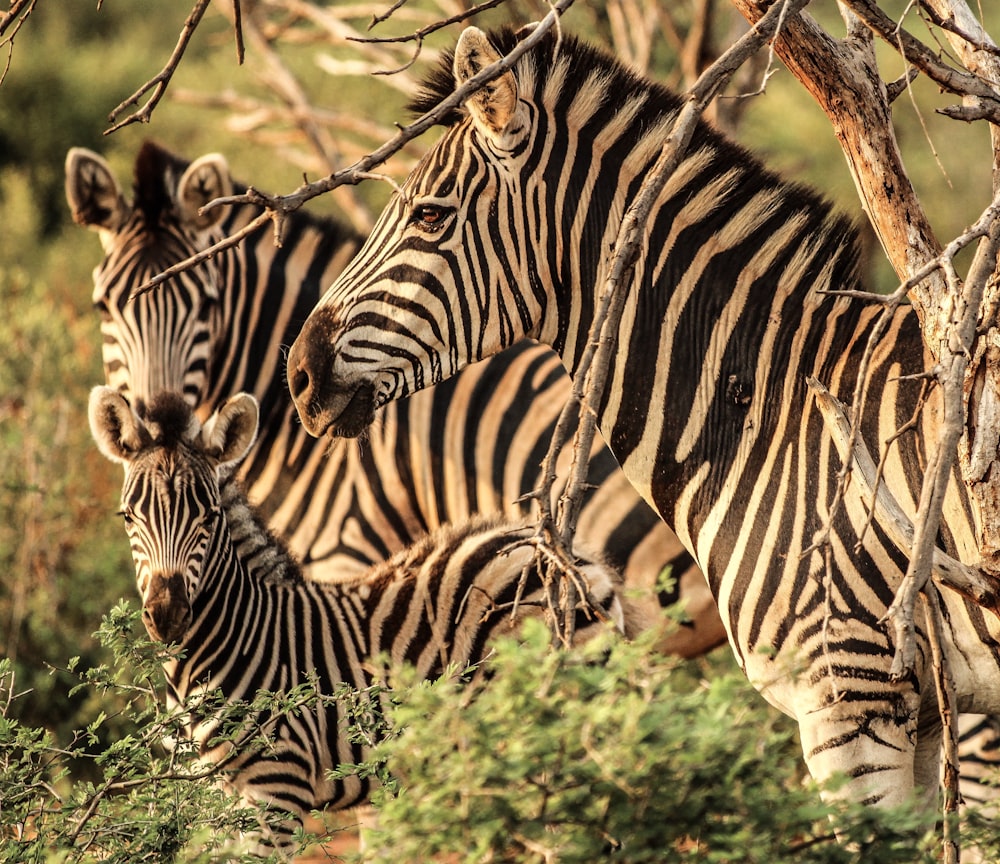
x: 269, y: 292
x: 260, y: 553
x: 728, y: 309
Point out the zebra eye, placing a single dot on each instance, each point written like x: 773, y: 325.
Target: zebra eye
x: 430, y: 217
x: 102, y: 310
x: 126, y: 514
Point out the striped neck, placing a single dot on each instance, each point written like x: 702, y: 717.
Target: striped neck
x: 730, y: 249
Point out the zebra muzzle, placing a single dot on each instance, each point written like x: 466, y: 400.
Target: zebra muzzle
x: 166, y: 611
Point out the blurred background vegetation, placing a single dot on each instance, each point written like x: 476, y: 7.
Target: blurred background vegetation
x: 63, y: 555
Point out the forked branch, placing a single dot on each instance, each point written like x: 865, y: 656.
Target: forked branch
x: 591, y: 375
x: 158, y: 83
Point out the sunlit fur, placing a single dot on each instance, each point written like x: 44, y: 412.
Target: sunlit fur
x: 707, y: 407
x: 256, y: 624
x: 472, y: 446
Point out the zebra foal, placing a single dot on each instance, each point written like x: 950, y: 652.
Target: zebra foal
x: 501, y: 232
x: 214, y: 580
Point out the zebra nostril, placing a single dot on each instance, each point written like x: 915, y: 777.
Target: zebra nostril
x: 299, y: 384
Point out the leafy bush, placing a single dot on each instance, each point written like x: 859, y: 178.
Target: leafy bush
x: 146, y: 801
x: 612, y: 754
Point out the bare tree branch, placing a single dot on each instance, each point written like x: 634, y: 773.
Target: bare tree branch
x: 13, y: 20
x: 280, y: 79
x: 591, y: 375
x: 16, y: 15
x: 279, y: 206
x: 159, y: 82
x: 959, y: 82
x: 952, y: 573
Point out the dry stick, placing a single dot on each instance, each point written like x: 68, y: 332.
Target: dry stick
x: 14, y: 13
x: 887, y: 512
x: 939, y: 471
x: 947, y: 707
x: 949, y: 571
x: 592, y: 370
x: 17, y: 15
x: 330, y: 24
x: 978, y: 452
x: 238, y: 31
x: 158, y: 83
x: 418, y: 36
x: 276, y: 75
x: 423, y: 32
x: 277, y: 207
x: 962, y: 83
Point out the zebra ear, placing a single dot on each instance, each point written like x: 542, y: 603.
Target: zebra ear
x: 93, y: 193
x: 494, y: 107
x: 205, y: 179
x: 116, y: 429
x: 230, y: 432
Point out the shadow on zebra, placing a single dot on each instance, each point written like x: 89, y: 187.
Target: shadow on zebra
x: 215, y: 581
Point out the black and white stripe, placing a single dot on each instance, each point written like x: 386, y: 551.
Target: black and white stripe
x: 214, y: 580
x: 471, y: 446
x: 503, y: 230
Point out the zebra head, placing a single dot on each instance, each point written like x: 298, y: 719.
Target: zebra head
x: 171, y: 499
x: 160, y: 340
x: 447, y: 276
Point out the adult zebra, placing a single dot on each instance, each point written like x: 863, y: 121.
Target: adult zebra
x: 214, y: 580
x: 502, y: 232
x: 472, y: 445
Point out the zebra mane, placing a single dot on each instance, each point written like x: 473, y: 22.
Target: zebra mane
x: 151, y: 187
x: 439, y: 82
x: 618, y: 84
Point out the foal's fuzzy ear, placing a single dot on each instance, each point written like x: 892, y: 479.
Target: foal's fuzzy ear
x: 95, y: 199
x: 119, y: 433
x: 205, y: 179
x: 230, y: 432
x: 494, y: 108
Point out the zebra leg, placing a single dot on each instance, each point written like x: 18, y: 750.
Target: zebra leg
x: 875, y: 753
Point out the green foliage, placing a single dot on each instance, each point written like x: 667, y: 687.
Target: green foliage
x: 65, y: 558
x: 612, y: 753
x: 146, y: 802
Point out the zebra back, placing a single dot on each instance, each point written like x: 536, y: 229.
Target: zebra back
x: 471, y: 446
x: 213, y: 579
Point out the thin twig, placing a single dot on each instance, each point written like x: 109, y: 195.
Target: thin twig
x: 959, y: 82
x: 158, y: 83
x: 947, y: 709
x: 16, y: 16
x: 423, y: 32
x: 238, y: 31
x: 592, y: 368
x: 279, y: 206
x: 418, y: 36
x: 982, y: 588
